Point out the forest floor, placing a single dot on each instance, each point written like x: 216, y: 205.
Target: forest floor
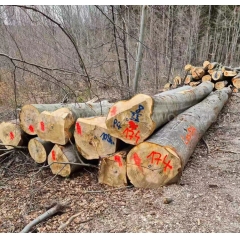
x: 206, y: 200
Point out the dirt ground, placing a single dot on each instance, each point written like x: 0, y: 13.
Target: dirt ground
x: 206, y: 200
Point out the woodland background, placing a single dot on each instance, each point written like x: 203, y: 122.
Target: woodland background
x: 71, y: 53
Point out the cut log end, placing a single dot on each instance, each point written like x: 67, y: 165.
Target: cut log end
x: 206, y: 78
x: 198, y: 73
x: 113, y: 170
x: 131, y: 120
x: 188, y: 67
x: 93, y: 139
x: 151, y: 166
x: 11, y: 134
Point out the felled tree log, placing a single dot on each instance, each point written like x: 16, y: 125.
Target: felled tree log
x: 188, y: 79
x: 113, y: 170
x: 183, y: 88
x: 217, y: 75
x: 167, y: 86
x: 188, y: 67
x: 92, y: 138
x: 229, y: 73
x: 235, y: 90
x: 39, y: 149
x: 236, y: 81
x: 58, y: 126
x: 220, y: 85
x: 63, y: 154
x: 211, y: 71
x: 206, y: 78
x: 12, y: 134
x: 177, y: 80
x: 213, y: 65
x: 194, y: 84
x: 135, y: 120
x: 205, y: 65
x: 198, y: 73
x: 161, y: 159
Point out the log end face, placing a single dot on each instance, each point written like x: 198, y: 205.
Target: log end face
x: 151, y: 166
x: 37, y: 151
x: 131, y: 120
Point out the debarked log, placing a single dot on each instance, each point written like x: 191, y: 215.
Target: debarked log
x: 134, y: 120
x: 161, y: 159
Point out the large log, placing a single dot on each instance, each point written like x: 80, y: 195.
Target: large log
x: 63, y: 154
x: 135, y: 120
x: 12, y: 134
x: 113, y: 169
x: 161, y: 159
x: 92, y: 138
x: 29, y: 113
x: 39, y: 149
x: 198, y: 73
x: 173, y: 91
x: 58, y: 126
x: 236, y: 81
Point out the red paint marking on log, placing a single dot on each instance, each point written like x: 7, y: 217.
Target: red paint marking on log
x: 158, y: 158
x: 131, y: 134
x: 137, y: 137
x: 132, y: 125
x: 191, y: 131
x: 11, y: 135
x: 113, y: 111
x: 78, y: 128
x: 31, y: 128
x: 137, y: 160
x: 118, y: 159
x: 167, y: 165
x: 53, y: 155
x: 42, y: 126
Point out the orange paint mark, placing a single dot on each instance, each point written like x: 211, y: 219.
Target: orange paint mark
x: 137, y: 160
x: 113, y: 111
x: 191, y: 131
x: 53, y: 155
x: 132, y: 125
x: 130, y: 132
x: 167, y: 165
x: 11, y: 135
x: 42, y: 126
x: 31, y: 128
x: 118, y: 159
x: 78, y: 128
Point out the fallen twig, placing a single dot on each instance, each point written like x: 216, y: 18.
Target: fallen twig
x: 208, y: 149
x: 57, y: 208
x: 6, y: 153
x: 64, y: 225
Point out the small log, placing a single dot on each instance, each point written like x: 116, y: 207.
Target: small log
x: 39, y: 149
x: 63, y: 154
x: 113, y: 170
x: 205, y: 65
x: 236, y: 81
x: 161, y: 159
x: 226, y: 68
x: 167, y: 86
x: 211, y: 71
x: 217, y: 75
x: 174, y: 86
x: 206, y: 78
x: 93, y: 139
x: 58, y: 126
x: 12, y: 134
x: 180, y: 89
x: 213, y: 65
x: 198, y: 73
x: 220, y: 85
x: 135, y: 120
x: 194, y: 84
x: 188, y: 79
x: 188, y: 67
x: 177, y: 80
x: 229, y: 73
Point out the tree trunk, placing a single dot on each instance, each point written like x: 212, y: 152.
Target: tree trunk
x: 113, y: 169
x: 63, y: 154
x: 12, y: 134
x: 220, y: 85
x: 58, y: 126
x: 161, y: 159
x: 236, y: 81
x: 135, y: 120
x: 198, y: 73
x: 92, y: 138
x: 39, y: 149
x: 206, y: 78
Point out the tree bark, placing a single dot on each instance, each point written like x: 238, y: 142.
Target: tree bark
x: 92, y: 138
x: 58, y: 126
x: 194, y: 84
x: 135, y: 120
x: 113, y: 169
x: 161, y: 159
x: 39, y: 149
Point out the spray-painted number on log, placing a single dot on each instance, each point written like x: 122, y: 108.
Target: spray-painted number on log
x: 157, y: 157
x: 190, y: 132
x: 117, y: 123
x: 107, y: 137
x: 131, y: 133
x: 118, y: 160
x: 136, y: 114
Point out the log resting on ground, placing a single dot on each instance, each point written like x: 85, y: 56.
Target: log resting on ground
x: 161, y: 159
x: 92, y: 138
x: 135, y: 120
x: 58, y: 126
x: 39, y: 149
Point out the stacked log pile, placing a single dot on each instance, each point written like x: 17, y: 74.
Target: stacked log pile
x: 146, y: 140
